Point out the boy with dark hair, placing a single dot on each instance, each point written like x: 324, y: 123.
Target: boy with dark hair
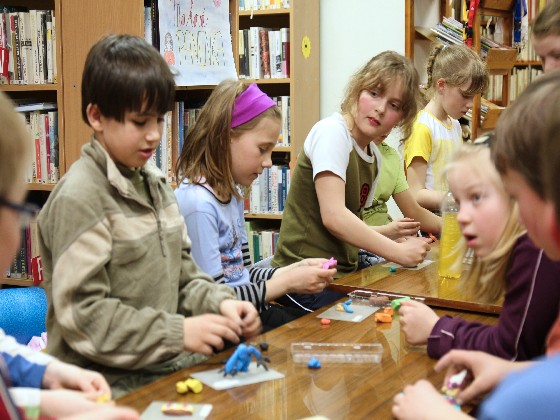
x: 125, y: 296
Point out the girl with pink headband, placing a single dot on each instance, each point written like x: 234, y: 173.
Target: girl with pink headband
x: 224, y: 152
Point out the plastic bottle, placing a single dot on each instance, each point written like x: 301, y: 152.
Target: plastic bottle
x: 452, y: 243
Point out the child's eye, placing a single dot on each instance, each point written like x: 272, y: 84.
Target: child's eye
x: 373, y: 93
x: 140, y: 123
x: 396, y: 106
x: 476, y: 197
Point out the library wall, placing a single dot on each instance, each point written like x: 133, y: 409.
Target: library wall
x: 351, y: 33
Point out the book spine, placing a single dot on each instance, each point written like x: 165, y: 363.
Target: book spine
x: 49, y: 49
x: 53, y: 135
x: 265, y: 53
x: 242, y: 56
x: 285, y: 37
x: 16, y: 47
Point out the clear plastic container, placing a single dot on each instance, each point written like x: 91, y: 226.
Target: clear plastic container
x: 337, y: 352
x: 452, y: 243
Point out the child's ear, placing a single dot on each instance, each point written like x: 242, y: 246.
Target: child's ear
x: 440, y: 84
x: 94, y: 117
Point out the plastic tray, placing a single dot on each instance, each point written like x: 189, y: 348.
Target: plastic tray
x: 337, y: 352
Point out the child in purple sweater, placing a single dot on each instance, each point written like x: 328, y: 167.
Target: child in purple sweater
x: 507, y: 265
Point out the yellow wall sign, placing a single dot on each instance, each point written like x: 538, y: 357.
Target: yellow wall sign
x: 306, y: 46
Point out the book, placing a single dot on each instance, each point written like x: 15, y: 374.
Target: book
x: 54, y: 152
x: 242, y: 56
x: 254, y: 53
x: 265, y: 53
x: 35, y: 106
x: 285, y: 40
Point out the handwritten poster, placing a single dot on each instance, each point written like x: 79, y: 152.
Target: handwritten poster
x: 195, y: 40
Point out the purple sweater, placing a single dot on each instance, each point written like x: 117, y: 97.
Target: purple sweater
x: 531, y: 306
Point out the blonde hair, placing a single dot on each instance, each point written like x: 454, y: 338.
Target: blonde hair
x: 486, y: 280
x: 457, y: 65
x: 206, y: 151
x: 547, y: 21
x: 15, y: 146
x: 379, y: 73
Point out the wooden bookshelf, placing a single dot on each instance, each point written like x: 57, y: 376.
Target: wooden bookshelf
x: 302, y: 85
x: 498, y: 61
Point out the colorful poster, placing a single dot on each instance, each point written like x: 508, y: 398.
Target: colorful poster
x: 195, y: 39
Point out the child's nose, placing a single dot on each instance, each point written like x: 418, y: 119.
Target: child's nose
x: 463, y: 216
x: 267, y: 162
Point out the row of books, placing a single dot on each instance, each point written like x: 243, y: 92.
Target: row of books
x: 521, y: 77
x: 450, y: 31
x: 264, y: 53
x: 262, y: 243
x: 41, y: 119
x: 27, y: 46
x: 263, y: 4
x: 269, y: 191
x: 26, y: 264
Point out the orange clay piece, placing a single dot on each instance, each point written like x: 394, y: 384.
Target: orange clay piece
x: 388, y: 311
x: 381, y: 317
x: 325, y: 321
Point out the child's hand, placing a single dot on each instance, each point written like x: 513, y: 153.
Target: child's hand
x: 309, y: 279
x: 61, y: 403
x: 206, y: 333
x: 423, y: 401
x: 413, y: 251
x: 485, y: 371
x: 402, y: 227
x: 417, y: 321
x: 243, y: 314
x: 63, y: 375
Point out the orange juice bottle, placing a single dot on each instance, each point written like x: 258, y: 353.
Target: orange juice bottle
x: 452, y: 243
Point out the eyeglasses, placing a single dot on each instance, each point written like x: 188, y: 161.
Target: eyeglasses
x: 27, y: 211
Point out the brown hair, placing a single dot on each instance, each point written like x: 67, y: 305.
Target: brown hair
x: 125, y: 73
x: 379, y: 73
x: 15, y: 146
x: 521, y: 130
x: 457, y: 65
x: 206, y: 151
x: 547, y: 21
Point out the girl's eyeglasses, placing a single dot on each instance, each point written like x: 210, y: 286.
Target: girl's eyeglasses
x: 27, y: 211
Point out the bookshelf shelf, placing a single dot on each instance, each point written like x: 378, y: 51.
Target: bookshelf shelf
x: 30, y: 88
x: 521, y: 63
x: 282, y: 81
x: 16, y: 282
x: 37, y: 186
x: 263, y: 216
x: 267, y: 12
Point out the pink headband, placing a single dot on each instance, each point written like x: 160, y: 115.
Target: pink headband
x: 250, y: 103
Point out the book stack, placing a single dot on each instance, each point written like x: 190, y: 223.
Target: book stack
x: 264, y: 53
x: 27, y: 46
x: 450, y: 31
x: 24, y: 265
x: 269, y: 191
x: 262, y: 242
x: 41, y: 119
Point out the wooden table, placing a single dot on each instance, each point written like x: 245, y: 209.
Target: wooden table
x: 337, y: 391
x: 424, y: 283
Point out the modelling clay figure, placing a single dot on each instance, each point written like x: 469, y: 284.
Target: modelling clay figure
x: 240, y: 359
x: 330, y: 263
x: 314, y: 363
